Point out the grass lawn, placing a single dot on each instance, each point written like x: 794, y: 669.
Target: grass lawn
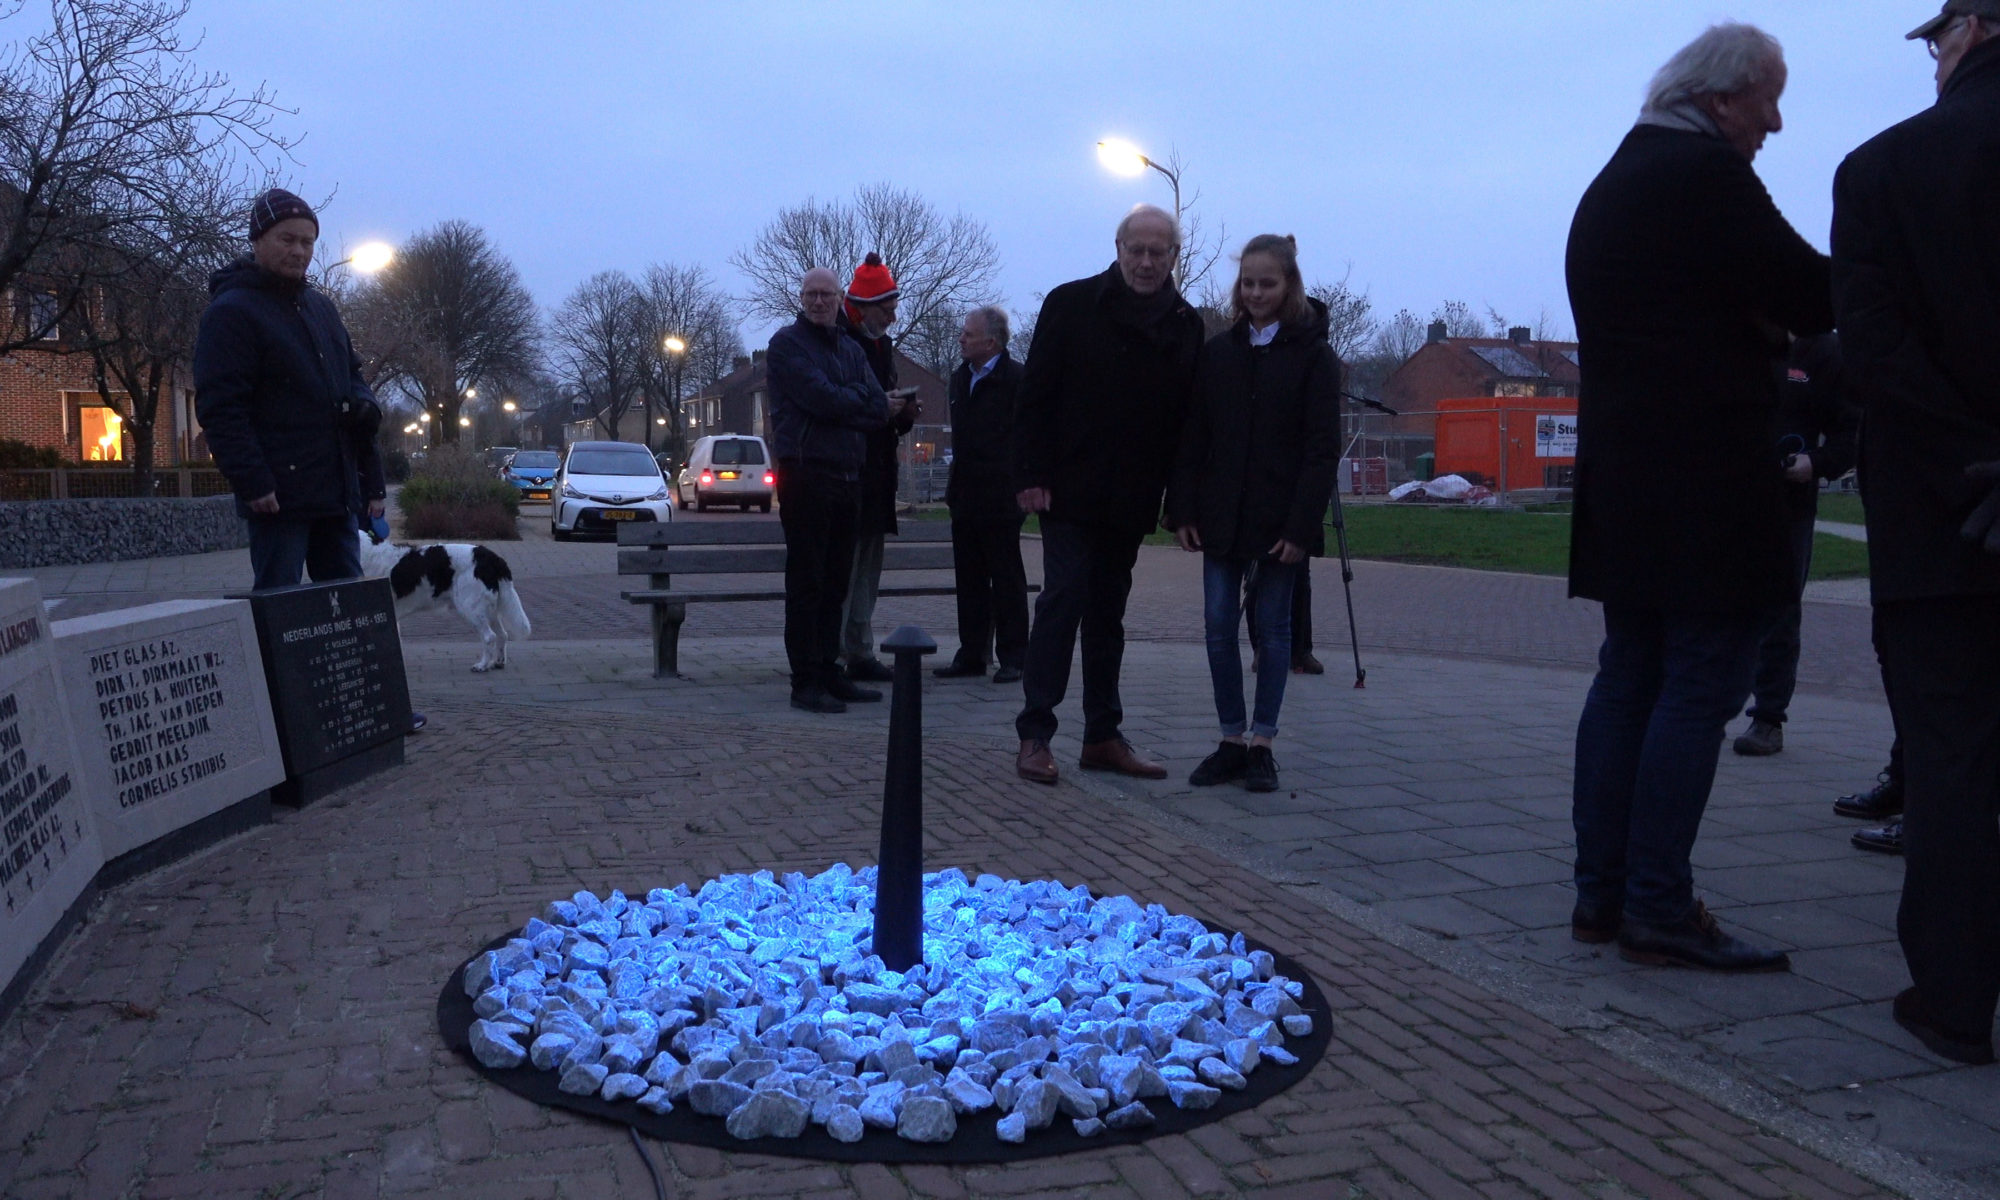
x: 1840, y: 506
x: 1536, y: 543
x: 1498, y: 539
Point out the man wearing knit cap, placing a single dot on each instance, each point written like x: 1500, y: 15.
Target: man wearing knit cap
x: 279, y: 393
x: 868, y: 310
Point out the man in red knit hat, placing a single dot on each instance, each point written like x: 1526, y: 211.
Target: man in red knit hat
x: 868, y: 311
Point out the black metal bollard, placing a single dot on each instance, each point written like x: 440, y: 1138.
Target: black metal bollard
x: 899, y: 882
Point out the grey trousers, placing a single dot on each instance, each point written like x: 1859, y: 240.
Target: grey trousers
x: 857, y: 625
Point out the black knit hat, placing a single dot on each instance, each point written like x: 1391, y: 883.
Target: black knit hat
x: 274, y: 206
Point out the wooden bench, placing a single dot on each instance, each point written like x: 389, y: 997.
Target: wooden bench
x: 661, y: 550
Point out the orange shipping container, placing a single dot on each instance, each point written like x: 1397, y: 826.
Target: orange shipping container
x: 1508, y: 442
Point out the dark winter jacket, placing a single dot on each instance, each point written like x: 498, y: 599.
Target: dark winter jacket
x: 279, y: 394
x: 982, y: 443
x: 1815, y: 415
x: 1262, y: 441
x: 1918, y: 278
x: 824, y: 399
x: 1103, y: 393
x: 878, y: 472
x: 1683, y: 278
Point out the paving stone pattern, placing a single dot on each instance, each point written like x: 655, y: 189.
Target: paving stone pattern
x: 257, y: 1022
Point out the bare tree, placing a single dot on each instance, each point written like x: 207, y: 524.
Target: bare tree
x: 1400, y: 336
x: 1460, y: 321
x: 1199, y: 251
x: 110, y: 137
x: 1350, y: 322
x: 460, y: 319
x: 683, y: 303
x: 932, y: 342
x: 942, y: 264
x: 1023, y: 329
x: 599, y: 335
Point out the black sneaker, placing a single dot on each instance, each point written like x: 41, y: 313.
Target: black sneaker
x: 1593, y: 925
x: 1878, y: 803
x: 1260, y: 774
x: 1887, y: 839
x: 839, y: 688
x: 1226, y: 765
x: 869, y: 670
x: 1762, y: 739
x: 813, y: 698
x: 1696, y: 942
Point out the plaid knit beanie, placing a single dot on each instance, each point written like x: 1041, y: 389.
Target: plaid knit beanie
x: 274, y: 206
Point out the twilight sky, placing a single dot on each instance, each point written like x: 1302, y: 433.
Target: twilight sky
x: 1429, y: 149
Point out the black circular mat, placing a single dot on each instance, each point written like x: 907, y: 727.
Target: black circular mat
x: 976, y: 1140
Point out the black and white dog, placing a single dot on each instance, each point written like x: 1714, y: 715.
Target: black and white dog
x: 476, y: 580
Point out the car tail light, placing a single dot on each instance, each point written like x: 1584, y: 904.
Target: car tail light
x: 769, y: 479
x: 707, y: 478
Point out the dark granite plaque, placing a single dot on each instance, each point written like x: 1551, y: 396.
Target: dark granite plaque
x: 335, y: 666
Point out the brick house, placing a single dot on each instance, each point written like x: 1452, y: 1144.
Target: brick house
x: 49, y: 398
x: 1453, y: 368
x: 740, y: 401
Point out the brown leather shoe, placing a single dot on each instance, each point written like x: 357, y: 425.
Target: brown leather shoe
x: 1035, y: 763
x: 1118, y: 755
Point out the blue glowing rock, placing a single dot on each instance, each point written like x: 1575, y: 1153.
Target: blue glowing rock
x: 1121, y: 1074
x: 1242, y: 1055
x: 1036, y: 1101
x: 1012, y: 1128
x: 1088, y: 1127
x: 622, y: 1054
x: 880, y: 1106
x: 1218, y: 1074
x: 926, y: 1119
x: 656, y: 1101
x: 845, y: 1125
x: 582, y: 1079
x: 622, y: 1085
x: 1186, y: 1093
x: 1131, y: 1116
x: 494, y: 1045
x: 1297, y: 1024
x: 770, y: 1113
x: 749, y: 1071
x: 716, y: 1098
x: 1281, y: 1056
x: 550, y: 1049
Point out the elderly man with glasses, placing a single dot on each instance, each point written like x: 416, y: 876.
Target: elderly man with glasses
x: 825, y: 401
x: 1916, y: 260
x: 1102, y: 396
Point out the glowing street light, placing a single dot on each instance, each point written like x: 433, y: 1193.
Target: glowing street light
x: 471, y: 394
x: 509, y: 406
x: 370, y: 257
x: 1123, y: 158
x: 675, y: 345
x: 425, y: 417
x: 465, y: 422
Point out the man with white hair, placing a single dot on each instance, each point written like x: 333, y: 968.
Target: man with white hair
x: 1918, y: 289
x: 1684, y: 279
x: 1103, y: 393
x: 825, y: 401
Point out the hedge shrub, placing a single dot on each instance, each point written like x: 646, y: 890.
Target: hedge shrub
x: 453, y: 494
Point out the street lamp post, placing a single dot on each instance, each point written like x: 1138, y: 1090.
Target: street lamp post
x: 1123, y: 158
x: 675, y: 346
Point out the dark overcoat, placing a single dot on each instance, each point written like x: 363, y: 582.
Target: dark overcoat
x: 1684, y: 278
x: 1916, y: 251
x: 1103, y: 394
x: 280, y: 396
x: 880, y: 467
x: 824, y: 399
x: 1262, y: 441
x: 982, y: 443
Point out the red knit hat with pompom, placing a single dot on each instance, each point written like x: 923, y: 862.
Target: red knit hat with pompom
x: 872, y: 283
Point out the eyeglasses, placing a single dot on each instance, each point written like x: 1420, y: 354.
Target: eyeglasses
x: 1931, y: 42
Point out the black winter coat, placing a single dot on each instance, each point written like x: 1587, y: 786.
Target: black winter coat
x: 879, y: 469
x: 1916, y: 252
x: 982, y: 443
x: 824, y: 399
x: 1103, y: 394
x: 1262, y: 442
x: 1683, y: 277
x: 1814, y: 408
x: 279, y: 394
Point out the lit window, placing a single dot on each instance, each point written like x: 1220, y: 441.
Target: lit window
x: 102, y: 433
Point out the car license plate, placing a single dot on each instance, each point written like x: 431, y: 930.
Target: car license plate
x: 538, y: 495
x: 618, y: 514
x: 727, y: 475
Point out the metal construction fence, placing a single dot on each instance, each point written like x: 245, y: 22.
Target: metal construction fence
x: 107, y: 483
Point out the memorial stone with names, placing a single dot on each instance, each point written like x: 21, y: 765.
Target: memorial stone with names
x: 49, y: 850
x: 172, y: 720
x: 334, y: 663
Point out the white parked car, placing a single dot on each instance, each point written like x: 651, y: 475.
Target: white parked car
x: 603, y: 484
x: 727, y: 468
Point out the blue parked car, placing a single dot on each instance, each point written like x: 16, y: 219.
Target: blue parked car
x: 534, y: 472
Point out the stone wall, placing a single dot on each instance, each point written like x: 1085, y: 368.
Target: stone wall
x: 50, y: 533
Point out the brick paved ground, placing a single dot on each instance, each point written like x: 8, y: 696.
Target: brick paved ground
x: 258, y: 1022
x: 1429, y: 811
